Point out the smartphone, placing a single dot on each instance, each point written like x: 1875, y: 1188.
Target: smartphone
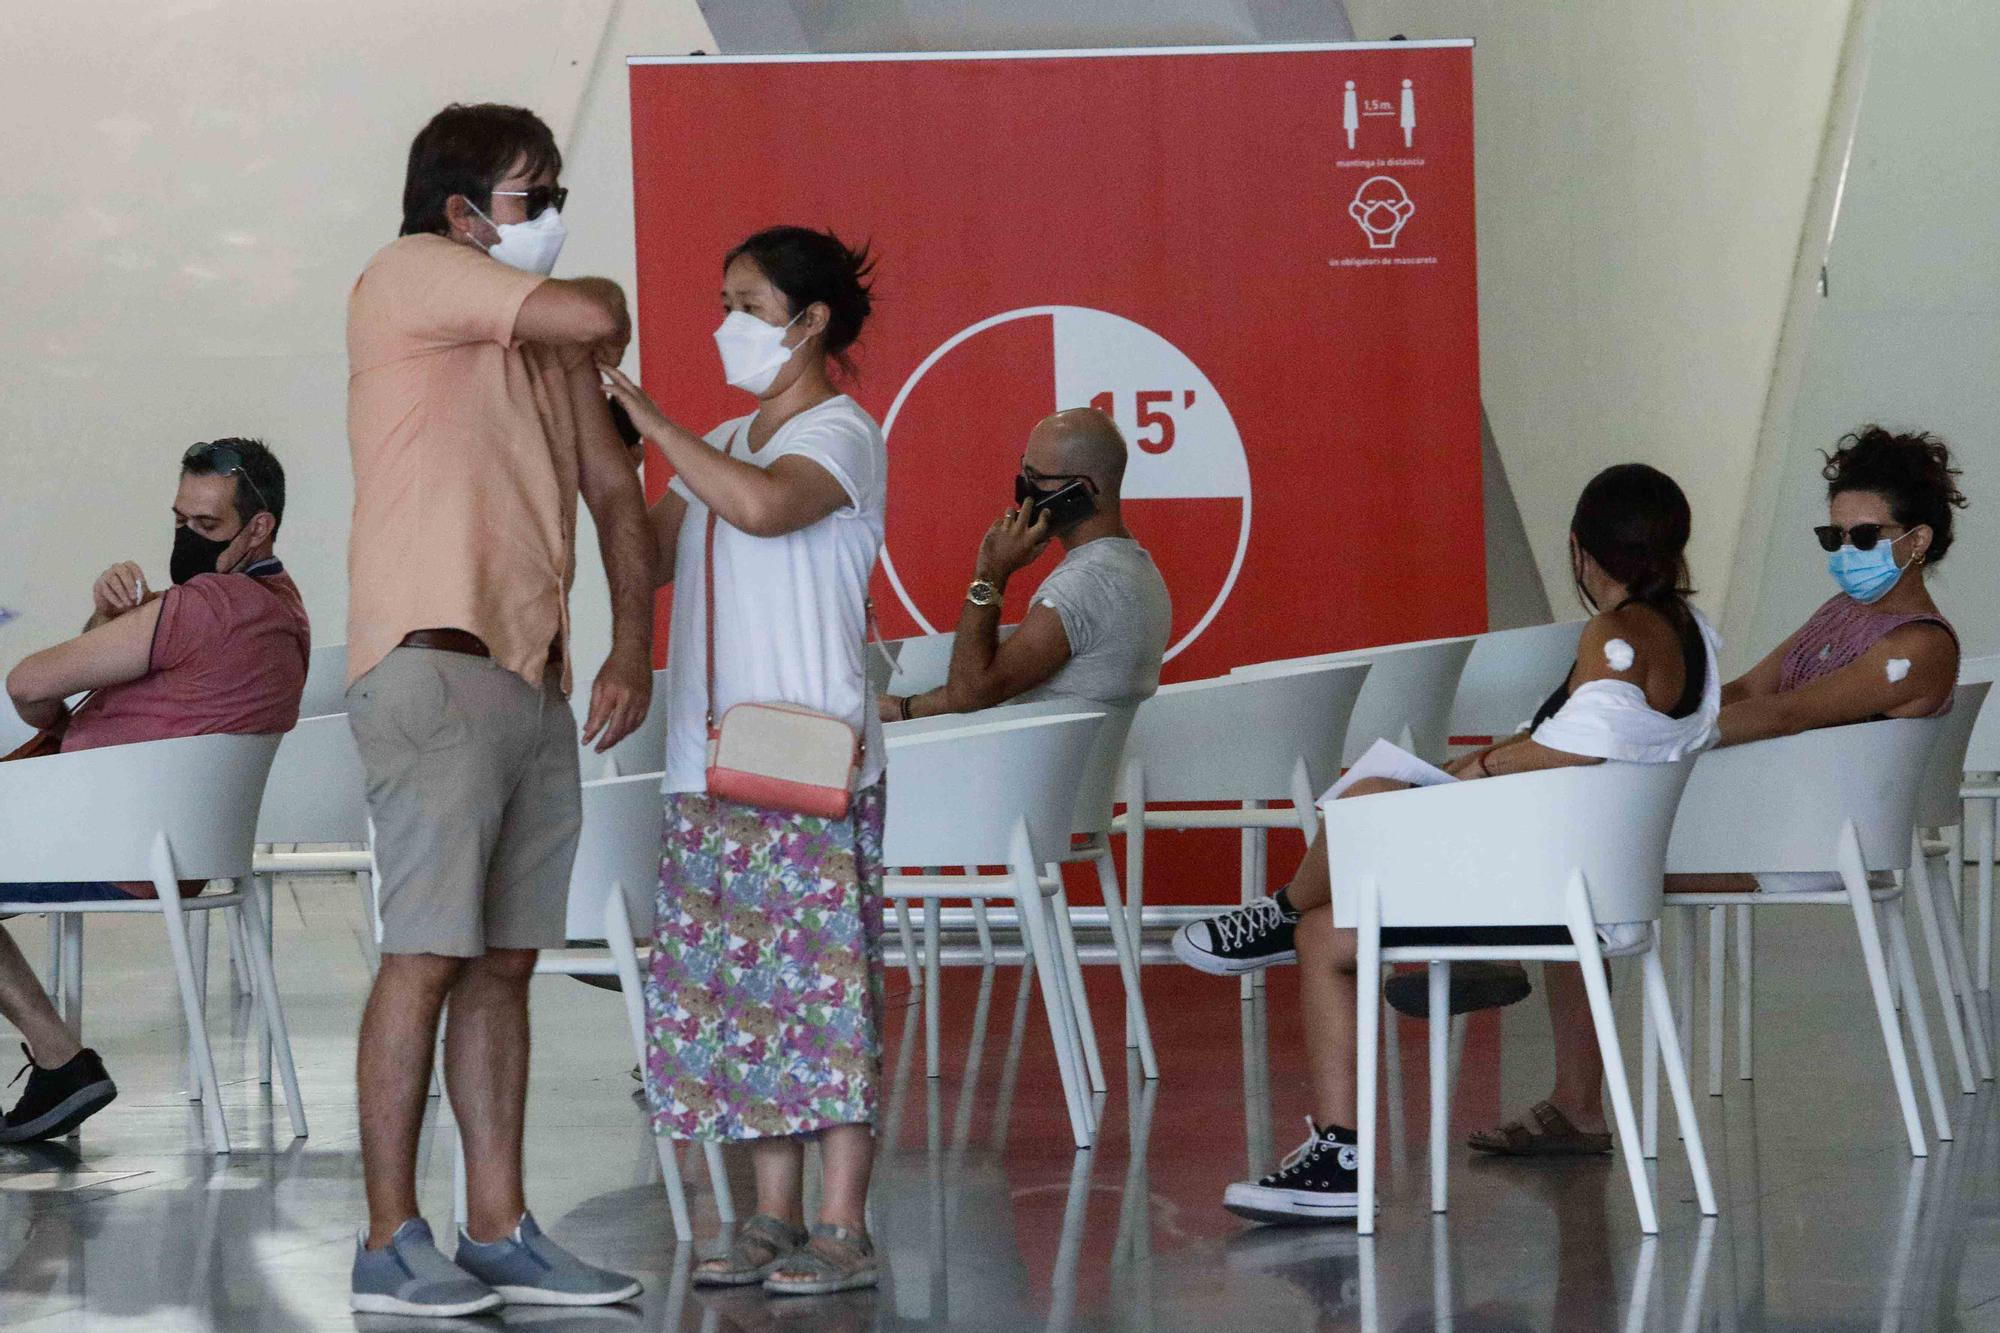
x: 1066, y: 507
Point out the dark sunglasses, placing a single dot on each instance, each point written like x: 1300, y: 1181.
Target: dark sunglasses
x: 1862, y: 536
x: 1028, y: 482
x: 224, y: 460
x: 540, y: 199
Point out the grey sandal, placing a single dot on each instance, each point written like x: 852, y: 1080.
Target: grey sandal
x: 759, y: 1246
x: 835, y: 1259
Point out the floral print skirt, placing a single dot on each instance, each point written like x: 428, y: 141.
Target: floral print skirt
x: 764, y: 997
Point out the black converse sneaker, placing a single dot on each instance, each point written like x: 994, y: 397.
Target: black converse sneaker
x: 1316, y: 1183
x: 1245, y: 940
x: 58, y: 1100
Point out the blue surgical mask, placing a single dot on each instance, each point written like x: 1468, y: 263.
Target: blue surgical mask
x: 1866, y: 576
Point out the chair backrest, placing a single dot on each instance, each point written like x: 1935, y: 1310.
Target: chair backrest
x: 923, y: 662
x: 1502, y: 852
x: 1508, y: 675
x: 1240, y: 737
x: 957, y: 794
x: 1938, y: 804
x: 879, y: 660
x: 619, y: 845
x: 1407, y: 698
x: 1099, y: 789
x: 317, y: 790
x: 1779, y: 804
x: 96, y: 814
x: 1982, y: 752
x: 644, y: 751
x: 326, y: 681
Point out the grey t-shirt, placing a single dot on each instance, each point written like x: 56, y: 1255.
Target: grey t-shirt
x: 1116, y: 614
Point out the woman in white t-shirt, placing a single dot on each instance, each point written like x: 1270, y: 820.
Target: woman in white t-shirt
x: 763, y: 1003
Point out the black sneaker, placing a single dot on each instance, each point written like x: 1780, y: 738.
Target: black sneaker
x: 58, y: 1100
x: 1474, y: 986
x: 1245, y: 940
x: 1316, y: 1183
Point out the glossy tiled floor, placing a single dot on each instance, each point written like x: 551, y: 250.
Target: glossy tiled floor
x: 989, y: 1221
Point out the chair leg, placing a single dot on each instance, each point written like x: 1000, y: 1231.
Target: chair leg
x: 933, y: 988
x: 1654, y: 978
x: 1440, y: 1043
x: 1686, y: 928
x: 198, y: 948
x: 1745, y: 975
x: 364, y: 887
x: 260, y: 888
x: 1086, y: 1027
x: 1920, y: 1024
x: 718, y: 1176
x: 256, y: 930
x: 1583, y: 934
x: 982, y: 927
x: 1367, y: 1050
x: 1649, y: 1069
x: 911, y: 959
x: 192, y: 1010
x: 72, y: 973
x: 1718, y: 960
x: 239, y: 962
x: 52, y: 979
x: 1919, y: 883
x: 1989, y: 812
x: 1129, y: 969
x: 625, y: 961
x: 1976, y: 1035
x: 1867, y: 926
x: 1062, y: 1029
x: 1889, y: 959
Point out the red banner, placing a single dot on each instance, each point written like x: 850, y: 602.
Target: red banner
x: 1260, y: 260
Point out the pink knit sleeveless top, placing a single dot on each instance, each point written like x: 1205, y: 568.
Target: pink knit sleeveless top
x: 1838, y: 633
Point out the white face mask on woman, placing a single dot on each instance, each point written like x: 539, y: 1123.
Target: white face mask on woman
x: 753, y: 352
x: 529, y: 246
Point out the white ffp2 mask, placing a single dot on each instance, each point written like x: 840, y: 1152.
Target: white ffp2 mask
x: 753, y: 352
x: 530, y: 246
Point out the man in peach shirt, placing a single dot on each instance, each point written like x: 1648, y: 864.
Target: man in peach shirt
x: 475, y: 420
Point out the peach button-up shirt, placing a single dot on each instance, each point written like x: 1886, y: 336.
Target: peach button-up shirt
x: 465, y: 450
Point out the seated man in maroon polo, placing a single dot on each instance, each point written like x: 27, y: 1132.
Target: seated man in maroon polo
x: 221, y: 651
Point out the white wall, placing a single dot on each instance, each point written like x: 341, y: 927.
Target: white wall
x: 1909, y: 331
x: 196, y: 187
x: 1643, y: 172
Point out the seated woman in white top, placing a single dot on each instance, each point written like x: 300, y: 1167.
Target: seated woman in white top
x: 1644, y: 689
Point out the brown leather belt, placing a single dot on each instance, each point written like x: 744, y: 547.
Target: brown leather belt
x: 447, y: 641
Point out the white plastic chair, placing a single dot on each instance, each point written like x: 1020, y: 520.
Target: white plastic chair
x: 1838, y: 799
x: 161, y: 811
x: 1572, y: 847
x: 1096, y: 797
x: 1508, y: 675
x: 612, y: 901
x: 1980, y: 792
x: 1407, y: 698
x: 644, y: 751
x: 326, y: 681
x: 997, y: 794
x: 1938, y: 807
x: 1256, y: 739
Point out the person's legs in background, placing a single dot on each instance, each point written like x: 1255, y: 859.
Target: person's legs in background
x: 66, y: 1082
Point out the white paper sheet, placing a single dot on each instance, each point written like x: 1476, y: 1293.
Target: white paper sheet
x: 1393, y: 763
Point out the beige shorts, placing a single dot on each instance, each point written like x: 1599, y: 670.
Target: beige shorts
x: 472, y: 785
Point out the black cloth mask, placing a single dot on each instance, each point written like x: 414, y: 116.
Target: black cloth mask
x: 194, y: 554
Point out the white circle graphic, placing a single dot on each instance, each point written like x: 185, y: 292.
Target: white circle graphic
x: 1185, y: 445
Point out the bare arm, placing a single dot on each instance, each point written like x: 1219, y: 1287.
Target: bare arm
x: 623, y: 690
x: 664, y: 520
x: 985, y: 671
x: 1870, y: 686
x: 570, y: 312
x: 1759, y: 680
x: 791, y: 494
x: 118, y: 651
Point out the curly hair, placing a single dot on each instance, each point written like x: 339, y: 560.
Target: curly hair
x: 1913, y: 472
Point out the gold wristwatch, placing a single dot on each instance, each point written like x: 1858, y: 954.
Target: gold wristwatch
x: 983, y: 593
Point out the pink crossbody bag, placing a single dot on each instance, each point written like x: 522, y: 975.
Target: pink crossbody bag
x: 778, y: 756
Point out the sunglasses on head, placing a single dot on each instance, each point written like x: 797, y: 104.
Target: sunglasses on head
x: 1862, y: 536
x: 224, y: 460
x: 540, y: 199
